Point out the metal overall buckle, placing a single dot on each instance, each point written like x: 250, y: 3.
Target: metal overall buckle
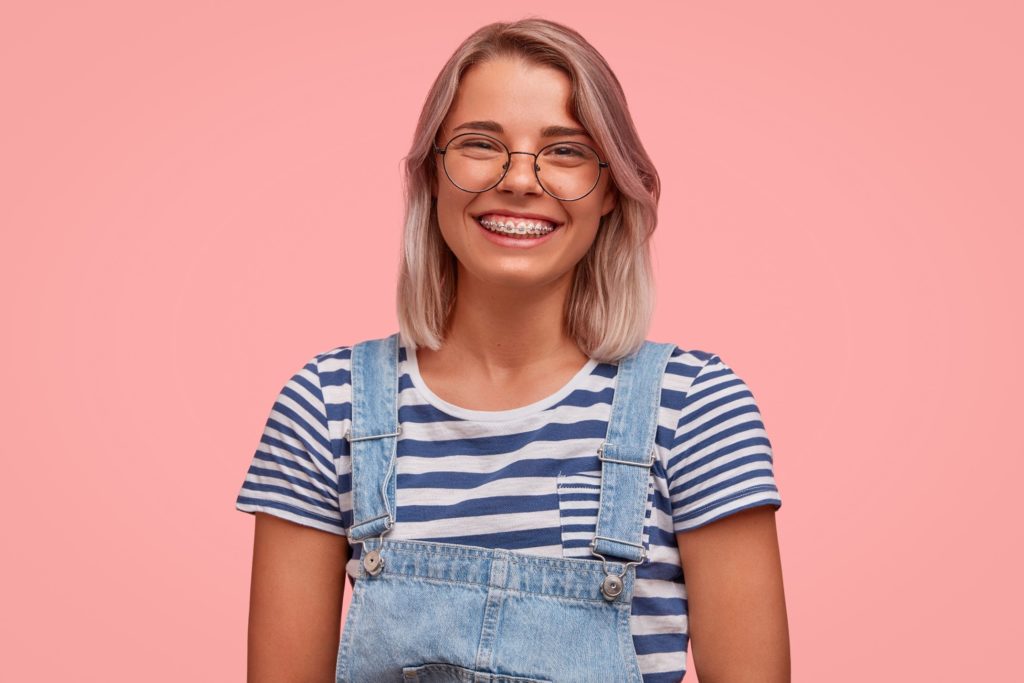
x: 612, y: 585
x: 373, y: 561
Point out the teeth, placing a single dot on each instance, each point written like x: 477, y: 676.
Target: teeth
x: 517, y: 228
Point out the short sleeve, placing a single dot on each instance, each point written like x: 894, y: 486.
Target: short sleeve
x: 721, y: 458
x: 292, y: 474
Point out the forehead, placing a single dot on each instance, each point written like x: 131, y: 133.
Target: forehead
x: 522, y: 97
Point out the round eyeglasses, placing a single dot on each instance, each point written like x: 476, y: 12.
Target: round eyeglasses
x: 474, y: 162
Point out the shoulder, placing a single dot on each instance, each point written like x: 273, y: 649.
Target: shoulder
x: 325, y: 368
x: 334, y: 364
x: 704, y: 389
x: 687, y: 361
x: 333, y: 371
x: 329, y: 372
x: 698, y: 377
x: 684, y: 366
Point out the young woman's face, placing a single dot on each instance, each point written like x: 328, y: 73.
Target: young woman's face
x: 515, y: 101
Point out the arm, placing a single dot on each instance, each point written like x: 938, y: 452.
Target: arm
x: 737, y: 609
x: 298, y: 581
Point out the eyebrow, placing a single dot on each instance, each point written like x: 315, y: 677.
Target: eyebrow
x: 549, y: 132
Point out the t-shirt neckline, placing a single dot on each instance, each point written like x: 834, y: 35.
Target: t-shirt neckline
x: 413, y: 368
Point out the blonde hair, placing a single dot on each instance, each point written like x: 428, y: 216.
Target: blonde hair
x: 611, y: 300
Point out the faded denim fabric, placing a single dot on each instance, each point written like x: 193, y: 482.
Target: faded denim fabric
x: 441, y: 612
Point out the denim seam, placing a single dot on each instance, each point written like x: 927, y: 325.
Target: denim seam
x: 556, y: 598
x: 629, y: 653
x: 577, y: 578
x: 446, y: 667
x: 596, y: 573
x: 345, y: 647
x: 433, y: 579
x: 514, y: 591
x: 568, y: 564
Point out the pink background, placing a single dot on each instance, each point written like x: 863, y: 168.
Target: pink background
x: 198, y: 197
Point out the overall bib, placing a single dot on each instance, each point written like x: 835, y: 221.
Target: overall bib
x: 442, y: 612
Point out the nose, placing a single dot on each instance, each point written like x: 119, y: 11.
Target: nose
x: 521, y: 178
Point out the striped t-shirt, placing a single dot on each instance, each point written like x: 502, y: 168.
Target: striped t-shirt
x: 527, y: 479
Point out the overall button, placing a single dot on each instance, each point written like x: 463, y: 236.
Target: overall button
x: 373, y: 562
x: 611, y: 587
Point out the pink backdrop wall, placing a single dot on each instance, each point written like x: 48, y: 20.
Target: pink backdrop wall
x: 197, y: 197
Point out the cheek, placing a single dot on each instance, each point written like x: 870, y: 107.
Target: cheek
x: 587, y: 213
x: 450, y: 204
x: 586, y: 223
x: 451, y: 212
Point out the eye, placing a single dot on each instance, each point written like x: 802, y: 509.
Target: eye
x: 477, y: 143
x: 566, y: 151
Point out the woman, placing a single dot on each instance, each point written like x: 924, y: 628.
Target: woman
x: 516, y: 480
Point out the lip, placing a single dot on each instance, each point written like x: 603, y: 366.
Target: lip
x: 518, y: 214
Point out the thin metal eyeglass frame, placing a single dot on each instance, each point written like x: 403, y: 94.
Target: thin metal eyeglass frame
x: 508, y: 164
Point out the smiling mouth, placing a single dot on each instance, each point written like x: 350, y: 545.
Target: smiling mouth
x: 524, y: 228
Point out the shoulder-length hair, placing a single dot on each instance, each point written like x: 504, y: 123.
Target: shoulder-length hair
x: 611, y: 300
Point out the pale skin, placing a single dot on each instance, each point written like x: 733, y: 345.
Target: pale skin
x: 507, y: 348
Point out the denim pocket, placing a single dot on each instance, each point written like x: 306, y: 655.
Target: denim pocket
x: 449, y: 673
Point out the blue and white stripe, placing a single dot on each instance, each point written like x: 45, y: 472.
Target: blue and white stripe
x: 527, y: 479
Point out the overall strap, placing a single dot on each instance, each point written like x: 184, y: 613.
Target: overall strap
x: 373, y: 436
x: 628, y: 453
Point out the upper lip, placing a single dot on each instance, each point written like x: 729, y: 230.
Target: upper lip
x: 518, y: 214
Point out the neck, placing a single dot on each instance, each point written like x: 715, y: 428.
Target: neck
x: 502, y: 331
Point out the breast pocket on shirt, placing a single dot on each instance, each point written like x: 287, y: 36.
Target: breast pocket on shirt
x: 578, y: 499
x: 579, y: 496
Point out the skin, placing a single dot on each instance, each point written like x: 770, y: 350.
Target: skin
x: 507, y: 347
x: 295, y: 598
x: 739, y: 631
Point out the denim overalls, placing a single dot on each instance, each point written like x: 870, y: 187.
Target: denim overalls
x: 441, y: 612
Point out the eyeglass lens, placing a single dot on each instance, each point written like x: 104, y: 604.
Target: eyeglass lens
x: 567, y: 170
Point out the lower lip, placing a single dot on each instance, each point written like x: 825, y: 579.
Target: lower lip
x: 515, y: 242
